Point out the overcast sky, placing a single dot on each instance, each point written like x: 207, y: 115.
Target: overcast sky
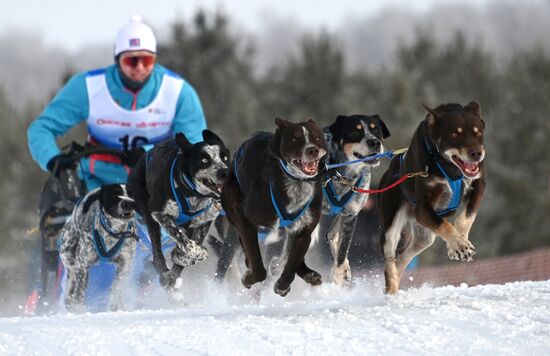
x: 74, y: 23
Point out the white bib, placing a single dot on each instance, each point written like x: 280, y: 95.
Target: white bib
x: 113, y: 126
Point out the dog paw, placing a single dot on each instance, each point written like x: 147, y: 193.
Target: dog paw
x: 341, y: 274
x: 281, y: 288
x: 249, y: 278
x: 187, y: 254
x: 313, y: 278
x: 461, y: 250
x: 168, y: 280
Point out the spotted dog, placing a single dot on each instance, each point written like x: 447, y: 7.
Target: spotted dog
x: 274, y: 183
x: 100, y: 228
x: 448, y: 146
x: 177, y: 186
x: 349, y: 138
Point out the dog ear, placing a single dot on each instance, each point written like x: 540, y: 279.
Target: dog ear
x: 311, y: 121
x: 334, y: 128
x: 433, y: 116
x: 281, y: 122
x: 208, y: 135
x: 89, y: 201
x: 473, y: 107
x: 382, y: 125
x: 182, y: 141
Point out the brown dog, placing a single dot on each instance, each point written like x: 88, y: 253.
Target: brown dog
x: 275, y: 184
x: 448, y: 145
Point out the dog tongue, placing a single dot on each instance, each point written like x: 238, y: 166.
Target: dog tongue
x: 469, y: 169
x: 310, y: 167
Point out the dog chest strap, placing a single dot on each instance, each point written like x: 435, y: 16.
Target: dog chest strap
x: 101, y: 248
x: 285, y: 218
x: 185, y: 213
x: 338, y: 204
x: 454, y: 184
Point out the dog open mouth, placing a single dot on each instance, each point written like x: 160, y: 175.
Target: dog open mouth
x: 310, y: 168
x: 469, y: 169
x: 361, y: 156
x: 213, y: 186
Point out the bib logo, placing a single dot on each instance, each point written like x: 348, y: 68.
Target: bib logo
x: 156, y: 111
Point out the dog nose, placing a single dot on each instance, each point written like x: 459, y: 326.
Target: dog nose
x: 372, y: 143
x: 222, y: 173
x: 125, y: 205
x: 475, y: 153
x: 312, y: 151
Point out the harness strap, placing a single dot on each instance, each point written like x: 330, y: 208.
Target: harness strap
x: 455, y: 185
x: 285, y: 217
x: 184, y: 207
x: 338, y: 204
x: 99, y: 241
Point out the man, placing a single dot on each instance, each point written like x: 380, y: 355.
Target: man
x: 127, y: 105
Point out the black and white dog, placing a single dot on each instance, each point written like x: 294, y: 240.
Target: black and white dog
x: 177, y: 187
x: 349, y: 138
x: 100, y: 227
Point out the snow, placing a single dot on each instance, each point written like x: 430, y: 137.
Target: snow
x: 223, y: 319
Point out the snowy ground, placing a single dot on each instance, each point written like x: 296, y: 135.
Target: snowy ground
x: 512, y: 319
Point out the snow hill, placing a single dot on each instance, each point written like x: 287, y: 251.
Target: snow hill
x: 511, y: 319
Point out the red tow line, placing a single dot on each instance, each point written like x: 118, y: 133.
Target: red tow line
x: 393, y: 185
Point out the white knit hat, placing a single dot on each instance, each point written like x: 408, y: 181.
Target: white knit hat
x: 135, y: 36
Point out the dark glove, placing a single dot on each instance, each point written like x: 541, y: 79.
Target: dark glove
x: 60, y: 162
x: 131, y: 157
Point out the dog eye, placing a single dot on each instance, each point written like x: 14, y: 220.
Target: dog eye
x: 204, y: 160
x: 316, y: 139
x: 454, y: 135
x: 294, y: 140
x: 224, y: 158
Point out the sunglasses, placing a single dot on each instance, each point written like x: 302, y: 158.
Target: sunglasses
x: 133, y: 61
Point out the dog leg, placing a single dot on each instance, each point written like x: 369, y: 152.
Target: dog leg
x: 226, y: 248
x: 76, y: 289
x: 123, y: 270
x: 392, y: 234
x: 277, y: 253
x: 308, y: 275
x: 458, y: 246
x: 194, y: 251
x: 153, y: 229
x: 300, y: 245
x: 421, y: 239
x: 341, y: 271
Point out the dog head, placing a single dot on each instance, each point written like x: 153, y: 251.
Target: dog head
x: 206, y: 162
x: 359, y: 136
x: 114, y: 200
x: 300, y: 145
x: 457, y: 132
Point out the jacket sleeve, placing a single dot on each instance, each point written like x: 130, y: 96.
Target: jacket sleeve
x: 189, y: 117
x: 69, y: 107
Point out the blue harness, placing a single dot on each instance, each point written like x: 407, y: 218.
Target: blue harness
x: 338, y: 204
x: 454, y: 184
x: 185, y: 213
x: 285, y: 218
x: 100, y: 246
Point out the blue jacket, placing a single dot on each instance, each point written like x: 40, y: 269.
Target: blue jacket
x: 70, y: 107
